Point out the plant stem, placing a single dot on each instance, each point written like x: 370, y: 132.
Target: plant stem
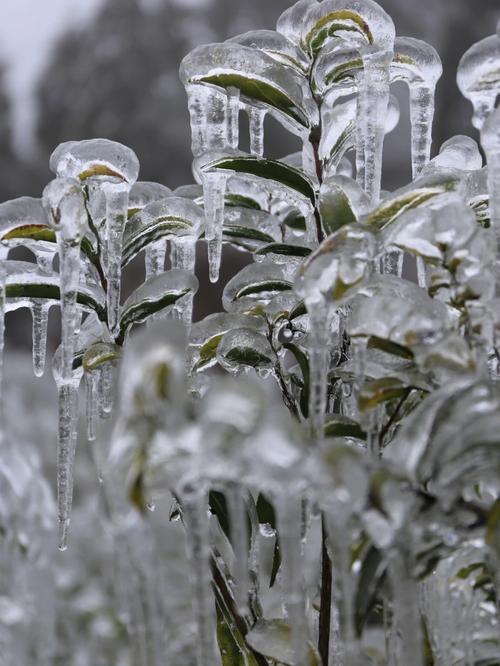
x: 326, y: 598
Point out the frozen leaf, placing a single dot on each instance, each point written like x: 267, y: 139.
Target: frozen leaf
x: 478, y: 78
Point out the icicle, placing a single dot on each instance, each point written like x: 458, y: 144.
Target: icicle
x: 68, y: 411
x: 155, y: 258
x: 372, y: 111
x: 422, y: 115
x: 345, y: 645
x: 69, y: 253
x: 184, y: 249
x: 116, y: 217
x: 194, y: 504
x: 392, y: 263
x: 239, y: 539
x: 233, y: 119
x: 421, y: 273
x: 214, y: 189
x: 197, y: 104
x: 490, y: 139
x: 105, y: 389
x: 289, y: 525
x: 256, y: 119
x: 40, y: 314
x: 91, y: 384
x: 318, y: 368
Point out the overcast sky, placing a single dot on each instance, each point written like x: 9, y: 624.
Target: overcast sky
x: 28, y: 29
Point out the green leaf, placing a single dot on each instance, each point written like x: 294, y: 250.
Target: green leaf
x: 268, y: 169
x: 389, y: 347
x: 240, y: 201
x: 263, y: 287
x: 137, y: 237
x: 342, y: 426
x: 99, y: 353
x: 31, y: 290
x: 377, y: 391
x: 285, y: 249
x: 335, y: 208
x: 249, y: 357
x: 295, y: 220
x: 340, y: 20
x: 230, y: 653
x: 156, y: 294
x: 260, y: 91
x: 208, y: 353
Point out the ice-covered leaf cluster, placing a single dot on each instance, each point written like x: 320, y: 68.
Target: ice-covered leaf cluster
x: 331, y: 439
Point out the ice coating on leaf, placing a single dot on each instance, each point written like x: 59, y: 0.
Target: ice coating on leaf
x: 397, y: 310
x: 156, y: 294
x: 338, y: 268
x: 144, y: 192
x: 490, y: 139
x: 460, y: 152
x: 341, y: 202
x: 95, y: 158
x: 291, y: 20
x: 243, y: 349
x: 418, y: 64
x: 258, y: 77
x: 478, y: 78
x: 256, y: 284
x: 275, y: 45
x: 24, y: 215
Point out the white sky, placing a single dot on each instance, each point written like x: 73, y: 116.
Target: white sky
x: 28, y: 29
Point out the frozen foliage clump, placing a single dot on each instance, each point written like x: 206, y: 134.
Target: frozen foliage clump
x: 331, y: 441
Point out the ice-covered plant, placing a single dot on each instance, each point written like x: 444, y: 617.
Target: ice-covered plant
x: 375, y: 473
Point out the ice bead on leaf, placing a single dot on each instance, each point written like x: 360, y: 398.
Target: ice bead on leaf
x: 63, y: 199
x: 241, y: 350
x: 276, y: 46
x: 490, y: 139
x: 477, y: 78
x: 418, y: 64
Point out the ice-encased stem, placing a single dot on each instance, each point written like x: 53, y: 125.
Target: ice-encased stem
x: 346, y: 645
x: 239, y: 540
x: 372, y: 112
x: 289, y: 509
x: 69, y: 255
x: 407, y: 630
x: 68, y: 409
x: 422, y: 116
x: 318, y: 368
x: 256, y: 118
x: 40, y: 316
x: 194, y: 504
x: 3, y: 296
x: 116, y: 217
x: 214, y: 190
